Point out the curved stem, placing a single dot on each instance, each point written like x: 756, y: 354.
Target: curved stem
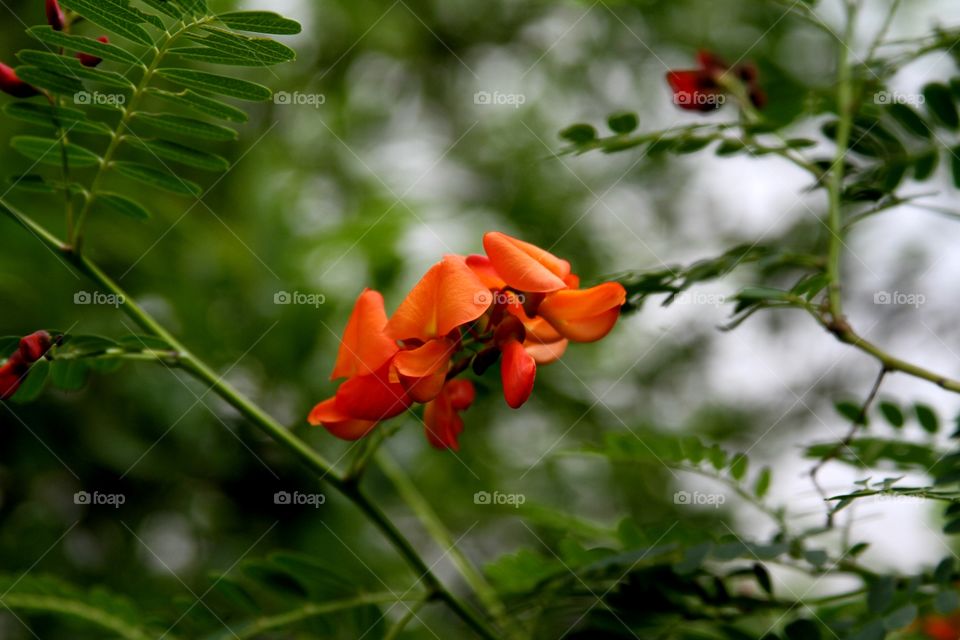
x: 439, y: 532
x: 74, y: 609
x: 312, y: 459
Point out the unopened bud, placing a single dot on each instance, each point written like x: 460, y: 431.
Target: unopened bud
x: 34, y: 346
x: 11, y: 84
x: 55, y: 16
x: 88, y: 60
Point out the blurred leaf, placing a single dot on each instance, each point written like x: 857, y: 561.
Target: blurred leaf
x: 124, y: 205
x: 927, y: 418
x: 939, y: 101
x: 203, y: 104
x: 156, y: 178
x: 579, y: 133
x: 47, y: 151
x: 182, y: 154
x: 892, y: 414
x: 211, y: 82
x: 623, y: 122
x: 112, y: 16
x: 260, y: 22
x: 186, y: 126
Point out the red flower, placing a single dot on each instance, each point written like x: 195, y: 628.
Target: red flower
x: 521, y: 305
x: 88, y: 60
x: 55, y: 16
x: 11, y: 84
x: 441, y: 418
x: 705, y: 89
x: 14, y: 371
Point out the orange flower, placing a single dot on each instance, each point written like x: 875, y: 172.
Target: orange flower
x: 441, y: 418
x: 518, y: 304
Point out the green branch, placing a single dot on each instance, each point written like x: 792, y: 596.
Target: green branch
x: 319, y: 465
x: 74, y: 609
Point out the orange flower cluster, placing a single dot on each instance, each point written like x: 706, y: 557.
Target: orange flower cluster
x: 518, y: 304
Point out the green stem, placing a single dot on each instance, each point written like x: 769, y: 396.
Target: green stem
x: 313, y: 460
x: 397, y: 628
x: 265, y: 624
x: 835, y: 181
x: 74, y: 609
x: 439, y: 532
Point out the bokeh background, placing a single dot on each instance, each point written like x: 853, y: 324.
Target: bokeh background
x: 397, y: 162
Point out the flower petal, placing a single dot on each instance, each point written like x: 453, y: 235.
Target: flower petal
x: 545, y: 353
x: 425, y: 360
x: 448, y: 295
x: 337, y: 423
x: 524, y: 266
x: 372, y: 397
x: 517, y: 373
x: 584, y: 315
x: 364, y: 347
x: 442, y: 424
x: 484, y: 270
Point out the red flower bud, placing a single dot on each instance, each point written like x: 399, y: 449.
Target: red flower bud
x: 34, y: 346
x: 11, y: 375
x: 55, y: 15
x: 88, y: 60
x: 10, y: 83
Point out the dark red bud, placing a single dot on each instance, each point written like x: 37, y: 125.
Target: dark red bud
x: 11, y: 84
x: 34, y: 346
x: 55, y: 16
x: 711, y: 63
x: 88, y: 60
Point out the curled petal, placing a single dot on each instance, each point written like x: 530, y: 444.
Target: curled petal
x: 426, y: 388
x: 484, y: 270
x: 584, y: 315
x: 449, y: 295
x: 517, y: 373
x: 338, y: 423
x: 372, y: 397
x: 524, y: 266
x: 364, y: 347
x: 537, y: 328
x: 442, y: 423
x: 425, y: 360
x: 545, y: 353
